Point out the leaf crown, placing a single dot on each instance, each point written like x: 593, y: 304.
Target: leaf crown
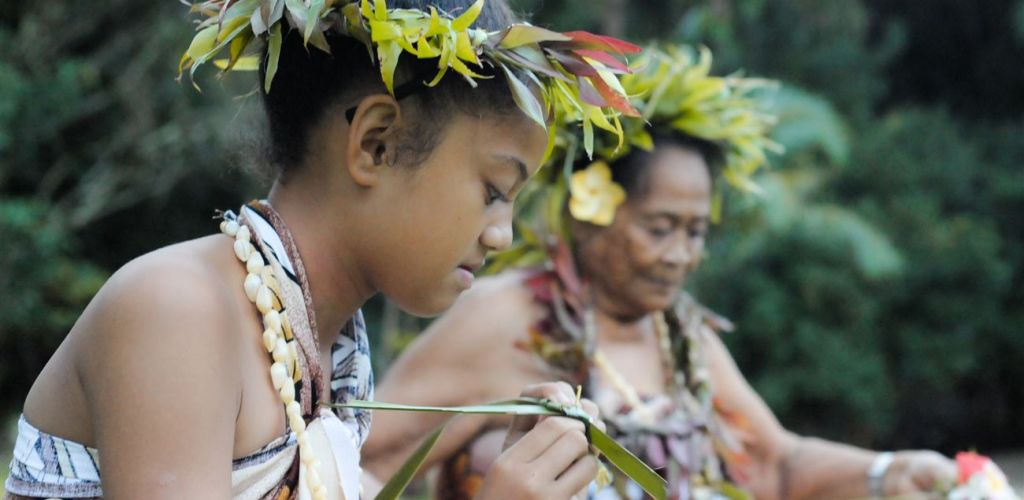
x: 558, y: 77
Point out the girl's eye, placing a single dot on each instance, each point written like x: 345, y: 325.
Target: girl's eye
x: 493, y: 194
x: 698, y: 233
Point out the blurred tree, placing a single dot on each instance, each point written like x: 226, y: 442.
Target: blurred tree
x: 96, y: 141
x: 965, y: 55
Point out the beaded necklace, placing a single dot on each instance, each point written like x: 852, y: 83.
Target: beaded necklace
x: 262, y: 289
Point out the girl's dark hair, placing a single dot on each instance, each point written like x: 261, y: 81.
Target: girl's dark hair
x: 632, y: 170
x: 309, y: 81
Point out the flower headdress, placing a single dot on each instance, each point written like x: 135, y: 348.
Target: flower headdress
x: 673, y: 91
x: 574, y: 74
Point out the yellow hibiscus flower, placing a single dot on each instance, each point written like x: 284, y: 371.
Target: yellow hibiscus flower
x: 594, y: 195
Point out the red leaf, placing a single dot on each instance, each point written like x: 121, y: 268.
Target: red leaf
x: 604, y: 58
x: 605, y: 43
x: 573, y: 63
x: 615, y: 99
x: 589, y: 94
x: 565, y: 267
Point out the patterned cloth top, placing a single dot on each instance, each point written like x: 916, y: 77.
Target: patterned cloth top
x: 692, y: 441
x: 48, y: 466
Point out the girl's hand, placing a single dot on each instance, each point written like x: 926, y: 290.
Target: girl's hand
x: 544, y: 457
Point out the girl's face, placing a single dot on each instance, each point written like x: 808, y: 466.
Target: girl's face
x: 637, y: 265
x: 451, y: 210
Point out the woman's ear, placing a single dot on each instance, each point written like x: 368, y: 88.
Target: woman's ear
x: 371, y: 138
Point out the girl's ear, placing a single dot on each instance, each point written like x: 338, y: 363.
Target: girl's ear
x: 370, y: 138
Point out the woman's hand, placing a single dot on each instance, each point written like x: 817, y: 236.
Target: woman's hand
x: 544, y: 457
x: 919, y: 472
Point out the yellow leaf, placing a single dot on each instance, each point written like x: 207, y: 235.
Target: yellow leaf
x: 202, y: 43
x: 435, y: 23
x: 524, y: 98
x: 380, y: 10
x: 588, y: 136
x: 388, y: 54
x: 461, y: 68
x: 230, y: 26
x: 643, y: 140
x: 464, y: 21
x: 447, y: 54
x: 522, y: 34
x: 315, y: 9
x: 364, y: 8
x: 425, y: 50
x: 381, y: 31
x: 464, y: 49
x: 247, y: 63
x: 273, y: 55
x: 702, y: 90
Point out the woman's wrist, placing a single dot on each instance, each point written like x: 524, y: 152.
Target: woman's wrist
x: 876, y: 474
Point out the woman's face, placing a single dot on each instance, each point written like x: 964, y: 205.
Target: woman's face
x: 637, y: 265
x: 453, y: 209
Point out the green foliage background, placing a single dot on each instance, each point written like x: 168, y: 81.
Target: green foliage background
x: 879, y: 286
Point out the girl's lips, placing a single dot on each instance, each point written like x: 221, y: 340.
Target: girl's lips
x: 465, y: 276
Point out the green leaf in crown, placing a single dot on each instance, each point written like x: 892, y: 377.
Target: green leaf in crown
x: 554, y: 77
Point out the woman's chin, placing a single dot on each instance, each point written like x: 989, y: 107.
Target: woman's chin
x: 661, y: 301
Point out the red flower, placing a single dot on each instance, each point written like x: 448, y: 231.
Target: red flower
x: 970, y: 463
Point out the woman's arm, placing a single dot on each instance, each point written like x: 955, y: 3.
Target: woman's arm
x: 785, y: 465
x: 162, y: 384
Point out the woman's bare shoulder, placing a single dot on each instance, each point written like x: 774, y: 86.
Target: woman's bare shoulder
x: 497, y: 308
x: 476, y: 337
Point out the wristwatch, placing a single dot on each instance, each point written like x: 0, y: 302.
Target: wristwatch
x: 876, y: 474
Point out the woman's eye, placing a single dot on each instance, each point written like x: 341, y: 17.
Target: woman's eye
x: 698, y: 233
x: 493, y: 194
x: 659, y: 232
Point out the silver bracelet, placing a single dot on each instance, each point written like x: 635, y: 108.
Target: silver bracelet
x: 876, y: 474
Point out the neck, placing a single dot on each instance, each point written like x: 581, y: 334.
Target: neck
x: 612, y: 328
x: 337, y: 286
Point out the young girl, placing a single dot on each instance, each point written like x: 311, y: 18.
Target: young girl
x: 198, y: 371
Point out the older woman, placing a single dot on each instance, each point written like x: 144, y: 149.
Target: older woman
x: 606, y: 312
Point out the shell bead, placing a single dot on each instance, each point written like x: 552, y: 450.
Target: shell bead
x: 281, y: 353
x: 313, y: 478
x: 297, y: 424
x: 279, y: 375
x: 272, y: 321
x: 264, y: 299
x: 231, y: 228
x: 270, y: 338
x: 287, y: 392
x: 255, y: 263
x: 252, y: 285
x: 243, y: 249
x: 243, y: 234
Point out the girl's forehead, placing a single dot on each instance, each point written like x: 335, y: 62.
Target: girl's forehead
x: 514, y: 140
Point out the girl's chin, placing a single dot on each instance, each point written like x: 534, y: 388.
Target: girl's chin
x: 433, y: 304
